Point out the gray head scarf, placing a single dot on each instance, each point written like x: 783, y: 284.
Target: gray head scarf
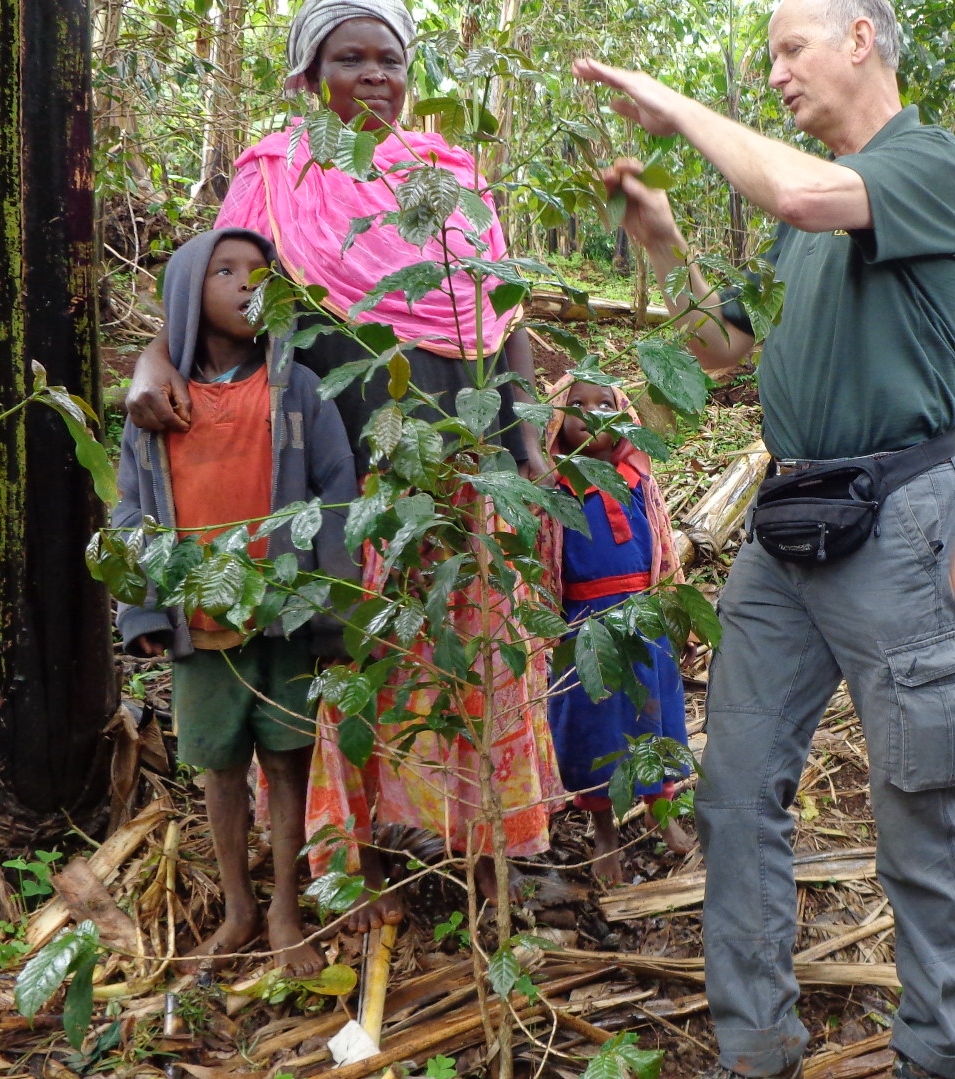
x: 316, y: 19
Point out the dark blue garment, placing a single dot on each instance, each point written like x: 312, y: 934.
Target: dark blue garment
x: 583, y: 730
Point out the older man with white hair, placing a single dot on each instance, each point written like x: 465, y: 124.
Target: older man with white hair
x: 857, y: 384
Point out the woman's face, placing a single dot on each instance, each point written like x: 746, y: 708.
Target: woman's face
x: 362, y: 61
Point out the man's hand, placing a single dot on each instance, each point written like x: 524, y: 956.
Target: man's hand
x: 647, y: 217
x: 648, y: 102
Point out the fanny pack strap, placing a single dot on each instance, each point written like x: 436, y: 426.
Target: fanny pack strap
x: 898, y: 468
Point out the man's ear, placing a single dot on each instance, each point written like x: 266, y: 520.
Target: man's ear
x: 862, y: 36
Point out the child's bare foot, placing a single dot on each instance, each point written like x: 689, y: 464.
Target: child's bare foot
x: 372, y: 911
x: 607, y: 864
x: 486, y: 880
x: 675, y: 838
x: 234, y: 934
x: 292, y: 952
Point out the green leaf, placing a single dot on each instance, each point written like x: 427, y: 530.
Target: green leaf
x: 477, y: 211
x: 46, y: 971
x: 514, y: 657
x: 703, y: 618
x: 533, y: 412
x: 656, y: 176
x: 356, y: 153
x: 503, y: 970
x: 603, y: 475
x: 616, y: 208
x: 399, y: 371
x: 420, y: 449
x: 127, y: 583
x: 444, y: 581
x: 414, y: 281
x: 427, y: 199
x: 479, y: 408
x: 409, y: 620
x: 508, y: 295
x: 598, y: 662
x: 509, y: 493
x: 335, y: 892
x: 215, y: 586
x: 91, y: 455
x: 563, y: 507
x: 675, y: 373
x: 385, y: 431
x: 356, y: 740
x: 452, y: 117
x: 78, y: 1005
x: 323, y: 131
x: 306, y: 524
x: 358, y: 226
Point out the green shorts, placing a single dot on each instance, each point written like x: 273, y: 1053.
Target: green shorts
x: 220, y: 718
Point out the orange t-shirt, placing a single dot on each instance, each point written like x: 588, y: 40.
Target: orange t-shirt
x: 221, y: 468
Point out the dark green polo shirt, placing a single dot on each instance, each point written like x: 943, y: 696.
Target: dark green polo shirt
x: 863, y: 359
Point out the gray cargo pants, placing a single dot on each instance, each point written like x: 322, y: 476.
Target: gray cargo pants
x: 883, y: 618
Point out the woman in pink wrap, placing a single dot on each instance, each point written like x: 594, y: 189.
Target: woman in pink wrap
x: 359, y: 51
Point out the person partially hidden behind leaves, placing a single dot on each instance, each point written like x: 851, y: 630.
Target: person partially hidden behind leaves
x: 356, y: 55
x: 260, y: 438
x: 629, y: 550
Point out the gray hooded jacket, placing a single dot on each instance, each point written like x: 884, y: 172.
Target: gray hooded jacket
x: 310, y: 458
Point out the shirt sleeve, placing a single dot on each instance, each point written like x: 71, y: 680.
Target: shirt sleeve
x: 910, y: 181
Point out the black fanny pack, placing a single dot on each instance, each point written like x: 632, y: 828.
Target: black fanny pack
x: 827, y: 511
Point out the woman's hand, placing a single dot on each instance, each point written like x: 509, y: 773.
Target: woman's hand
x: 151, y: 647
x: 535, y: 468
x: 158, y: 397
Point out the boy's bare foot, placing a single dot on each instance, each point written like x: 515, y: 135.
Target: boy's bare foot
x: 372, y: 911
x: 293, y: 953
x: 234, y: 934
x: 675, y: 838
x: 607, y: 864
x: 486, y: 880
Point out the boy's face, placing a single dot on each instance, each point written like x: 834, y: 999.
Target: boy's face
x: 588, y: 398
x: 226, y: 292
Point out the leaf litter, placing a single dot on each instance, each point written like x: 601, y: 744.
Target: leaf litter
x: 600, y: 961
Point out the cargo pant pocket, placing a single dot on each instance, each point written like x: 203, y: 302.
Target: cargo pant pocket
x: 921, y: 743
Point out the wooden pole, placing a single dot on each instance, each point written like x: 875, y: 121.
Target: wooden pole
x: 58, y: 685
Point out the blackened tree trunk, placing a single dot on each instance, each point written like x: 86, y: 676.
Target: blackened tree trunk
x: 58, y: 685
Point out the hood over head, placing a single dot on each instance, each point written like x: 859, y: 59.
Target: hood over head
x: 182, y: 289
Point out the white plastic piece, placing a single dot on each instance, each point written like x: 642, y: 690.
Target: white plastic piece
x: 351, y: 1044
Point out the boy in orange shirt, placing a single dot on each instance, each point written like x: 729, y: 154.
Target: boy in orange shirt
x: 260, y: 438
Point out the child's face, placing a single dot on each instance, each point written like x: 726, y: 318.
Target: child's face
x: 226, y: 291
x: 574, y: 434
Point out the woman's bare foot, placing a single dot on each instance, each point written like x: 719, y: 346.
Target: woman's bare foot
x: 292, y: 952
x: 675, y: 838
x: 372, y: 910
x: 607, y: 865
x: 486, y: 880
x: 234, y: 934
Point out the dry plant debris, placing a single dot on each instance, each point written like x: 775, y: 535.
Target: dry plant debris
x: 628, y: 959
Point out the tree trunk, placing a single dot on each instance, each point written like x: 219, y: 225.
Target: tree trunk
x: 58, y: 684
x: 224, y: 135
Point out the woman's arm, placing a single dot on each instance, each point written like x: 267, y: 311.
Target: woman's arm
x: 520, y: 359
x: 158, y: 397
